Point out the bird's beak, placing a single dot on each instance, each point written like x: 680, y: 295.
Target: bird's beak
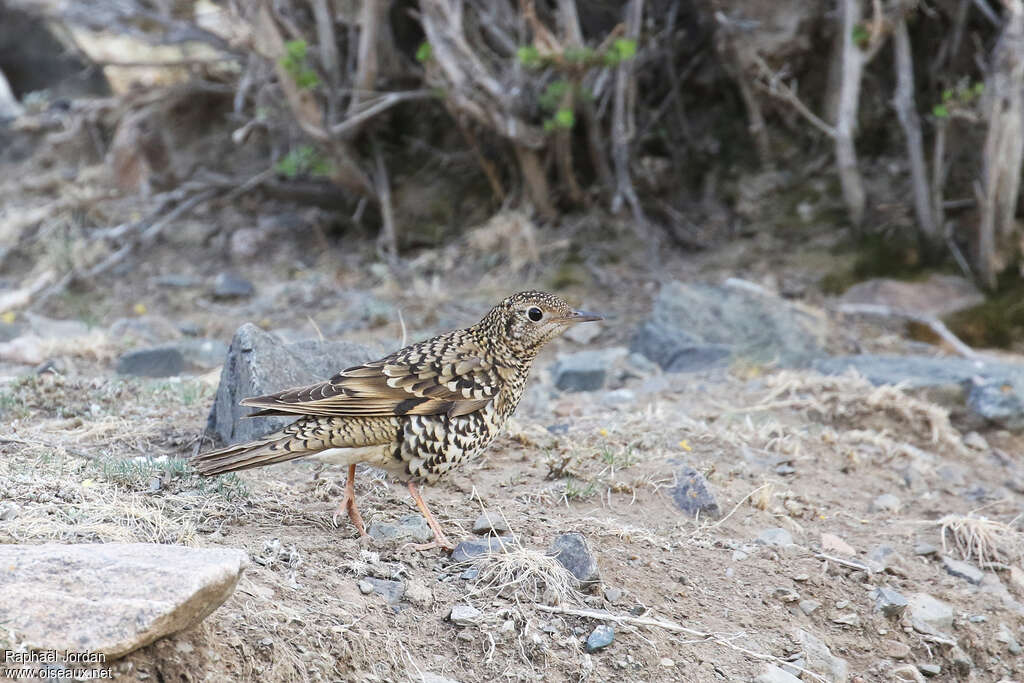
x: 582, y: 317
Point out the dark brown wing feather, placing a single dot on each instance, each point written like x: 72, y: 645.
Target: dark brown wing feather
x: 447, y: 374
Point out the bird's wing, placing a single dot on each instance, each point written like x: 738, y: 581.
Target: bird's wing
x: 430, y: 378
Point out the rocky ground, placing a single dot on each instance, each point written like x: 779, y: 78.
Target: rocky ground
x: 719, y: 482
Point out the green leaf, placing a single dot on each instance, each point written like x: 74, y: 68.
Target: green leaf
x: 565, y: 118
x: 579, y: 55
x: 296, y: 50
x: 529, y: 56
x: 860, y: 35
x: 947, y: 94
x: 424, y: 52
x: 549, y: 125
x: 979, y: 88
x: 940, y: 111
x: 625, y: 48
x: 553, y: 94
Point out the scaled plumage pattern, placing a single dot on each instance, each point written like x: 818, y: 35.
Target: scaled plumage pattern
x: 417, y: 413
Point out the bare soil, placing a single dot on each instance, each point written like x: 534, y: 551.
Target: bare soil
x: 92, y: 457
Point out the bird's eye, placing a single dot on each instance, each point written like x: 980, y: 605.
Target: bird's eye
x: 535, y: 314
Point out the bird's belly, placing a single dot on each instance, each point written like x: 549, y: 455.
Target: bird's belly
x: 434, y: 444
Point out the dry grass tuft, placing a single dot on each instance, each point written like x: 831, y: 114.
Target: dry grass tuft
x: 984, y: 540
x: 520, y: 573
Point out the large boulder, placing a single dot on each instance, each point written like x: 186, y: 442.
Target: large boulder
x: 109, y: 598
x: 697, y: 326
x: 260, y: 363
x: 991, y: 390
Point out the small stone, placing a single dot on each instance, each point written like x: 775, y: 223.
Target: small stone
x: 572, y: 552
x: 847, y: 619
x: 963, y: 570
x: 907, y: 672
x: 962, y: 662
x: 739, y: 555
x: 775, y: 536
x: 468, y: 550
x: 409, y: 529
x: 820, y: 658
x: 929, y: 614
x: 842, y: 604
x: 693, y: 495
x: 972, y: 440
x: 830, y: 543
x: 895, y: 649
x: 391, y: 591
x: 612, y: 595
x: 229, y: 285
x: 802, y: 577
x: 365, y: 587
x: 583, y: 370
x: 882, y: 557
x: 464, y: 615
x: 1005, y: 636
x: 176, y: 280
x: 785, y: 595
x: 808, y: 607
x: 419, y: 594
x: 889, y: 602
x: 600, y: 638
x: 930, y: 669
x: 490, y: 523
x: 925, y: 549
x: 885, y: 503
x: 157, y: 361
x: 773, y: 674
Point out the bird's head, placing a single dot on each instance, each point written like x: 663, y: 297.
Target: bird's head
x: 528, y: 320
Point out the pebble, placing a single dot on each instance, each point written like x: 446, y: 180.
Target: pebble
x: 895, y: 649
x: 739, y: 555
x: 773, y: 674
x: 692, y: 494
x: 907, y: 672
x: 666, y: 662
x: 158, y: 361
x: 464, y: 615
x: 411, y: 528
x: 490, y: 523
x: 468, y: 550
x: 925, y: 549
x: 1005, y: 636
x: 830, y: 543
x: 572, y: 552
x: 963, y: 570
x: 882, y: 557
x: 600, y: 638
x: 848, y: 619
x: 889, y: 602
x: 785, y: 594
x: 930, y: 669
x: 802, y: 577
x: 962, y: 662
x: 365, y: 587
x: 775, y: 536
x: 972, y: 440
x: 928, y: 613
x: 229, y: 285
x: 808, y: 606
x: 886, y: 502
x: 612, y: 595
x: 391, y: 591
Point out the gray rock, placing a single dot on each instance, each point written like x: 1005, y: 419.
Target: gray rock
x: 572, y: 552
x: 147, y: 329
x: 928, y: 614
x: 692, y: 494
x: 612, y: 594
x: 907, y: 672
x: 999, y: 399
x: 365, y: 587
x: 774, y: 536
x: 9, y: 331
x: 925, y: 549
x: 991, y: 390
x: 583, y: 334
x: 773, y: 674
x: 158, y: 361
x: 820, y: 659
x: 409, y: 529
x: 585, y: 370
x: 464, y: 615
x: 391, y: 591
x: 259, y: 363
x: 203, y: 354
x: 930, y: 669
x: 1006, y: 636
x: 881, y: 557
x: 600, y: 638
x: 110, y: 598
x: 491, y: 523
x: 694, y: 326
x: 962, y: 662
x: 229, y: 286
x: 886, y: 503
x: 468, y: 550
x: 619, y: 398
x: 176, y: 280
x: 889, y: 602
x: 976, y: 441
x: 808, y: 607
x: 50, y: 328
x: 937, y: 296
x: 963, y: 570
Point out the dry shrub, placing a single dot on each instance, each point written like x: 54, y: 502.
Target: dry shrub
x: 981, y: 539
x: 520, y: 573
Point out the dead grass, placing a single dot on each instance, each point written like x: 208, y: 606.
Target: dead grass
x: 986, y: 541
x: 524, y: 574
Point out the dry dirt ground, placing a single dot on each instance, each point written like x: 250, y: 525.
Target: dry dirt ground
x: 92, y: 457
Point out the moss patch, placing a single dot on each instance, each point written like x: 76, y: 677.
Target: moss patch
x: 999, y: 321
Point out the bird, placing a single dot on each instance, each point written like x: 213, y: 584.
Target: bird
x: 417, y: 413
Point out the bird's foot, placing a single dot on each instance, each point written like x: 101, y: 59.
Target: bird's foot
x: 442, y: 542
x: 348, y: 504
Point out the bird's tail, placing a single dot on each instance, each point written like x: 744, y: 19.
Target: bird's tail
x: 278, y: 447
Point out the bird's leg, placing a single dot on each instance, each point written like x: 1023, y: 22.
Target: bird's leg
x: 440, y: 540
x: 348, y: 503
